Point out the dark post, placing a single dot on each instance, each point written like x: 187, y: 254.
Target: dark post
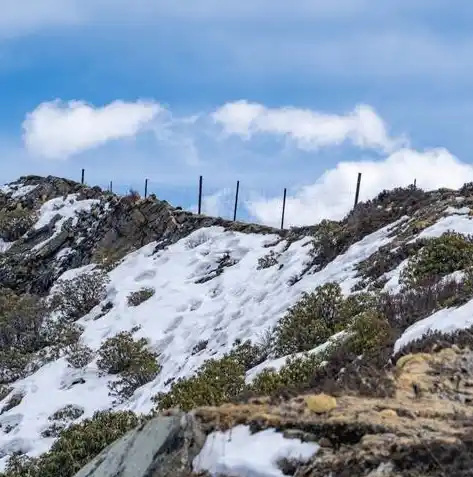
x: 111, y: 186
x: 200, y: 195
x: 146, y: 188
x: 358, y: 182
x: 415, y: 183
x: 236, y: 201
x: 283, y: 208
x: 83, y: 176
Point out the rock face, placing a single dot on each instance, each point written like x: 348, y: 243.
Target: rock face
x: 165, y: 446
x: 113, y: 227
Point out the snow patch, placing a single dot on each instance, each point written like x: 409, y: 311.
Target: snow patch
x: 240, y: 453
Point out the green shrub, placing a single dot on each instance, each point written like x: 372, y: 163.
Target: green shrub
x: 439, y: 257
x: 22, y: 466
x: 268, y: 260
x: 77, y: 445
x: 21, y: 320
x: 316, y: 317
x: 138, y: 297
x: 79, y: 355
x: 248, y: 354
x: 215, y: 383
x: 76, y: 297
x: 370, y: 331
x: 124, y: 356
x: 61, y: 418
x: 296, y: 372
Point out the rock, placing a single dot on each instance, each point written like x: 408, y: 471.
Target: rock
x: 165, y: 446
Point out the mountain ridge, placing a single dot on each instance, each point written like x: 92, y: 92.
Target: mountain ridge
x: 215, y: 284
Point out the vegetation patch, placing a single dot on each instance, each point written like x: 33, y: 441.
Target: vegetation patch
x: 128, y: 358
x: 77, y: 445
x: 14, y: 223
x: 76, y: 297
x: 316, y: 317
x: 439, y: 257
x: 138, y: 297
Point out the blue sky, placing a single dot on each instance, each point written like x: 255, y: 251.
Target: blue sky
x: 266, y: 92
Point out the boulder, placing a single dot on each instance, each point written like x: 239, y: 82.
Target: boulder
x: 165, y: 446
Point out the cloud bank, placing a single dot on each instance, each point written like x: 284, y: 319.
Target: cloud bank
x: 332, y: 196
x: 57, y: 130
x: 309, y: 129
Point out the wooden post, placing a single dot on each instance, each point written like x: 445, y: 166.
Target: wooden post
x: 200, y: 195
x: 283, y: 208
x: 82, y: 176
x: 111, y: 186
x: 146, y: 188
x: 415, y: 183
x: 236, y: 201
x: 358, y: 182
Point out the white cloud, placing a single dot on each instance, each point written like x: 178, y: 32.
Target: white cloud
x: 218, y: 204
x: 57, y: 130
x: 309, y: 129
x: 332, y: 196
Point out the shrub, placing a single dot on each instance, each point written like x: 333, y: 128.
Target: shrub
x: 297, y: 371
x: 77, y: 445
x: 67, y: 413
x: 79, y: 355
x: 15, y: 223
x: 248, y: 354
x: 268, y: 260
x: 5, y: 391
x: 21, y: 466
x: 215, y: 383
x: 370, y: 330
x: 439, y: 257
x: 14, y: 401
x: 124, y: 356
x: 138, y: 297
x: 21, y: 319
x: 328, y: 240
x: 316, y: 317
x: 76, y: 297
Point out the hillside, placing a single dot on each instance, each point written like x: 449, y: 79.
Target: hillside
x: 129, y: 304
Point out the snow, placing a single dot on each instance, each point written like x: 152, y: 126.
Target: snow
x: 458, y: 223
x: 4, y: 246
x: 17, y: 190
x: 239, y: 453
x: 67, y: 208
x: 242, y: 303
x: 447, y: 320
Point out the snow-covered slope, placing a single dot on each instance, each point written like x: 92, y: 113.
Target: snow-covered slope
x: 241, y: 302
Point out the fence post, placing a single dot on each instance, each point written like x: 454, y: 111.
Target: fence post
x: 111, y: 186
x: 358, y: 182
x: 236, y: 201
x: 146, y: 188
x: 82, y: 176
x: 415, y: 183
x: 200, y: 195
x: 283, y: 208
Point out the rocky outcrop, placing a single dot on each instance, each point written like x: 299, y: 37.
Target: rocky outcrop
x: 165, y: 446
x: 114, y: 227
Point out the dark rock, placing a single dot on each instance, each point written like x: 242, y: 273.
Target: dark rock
x: 165, y: 446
